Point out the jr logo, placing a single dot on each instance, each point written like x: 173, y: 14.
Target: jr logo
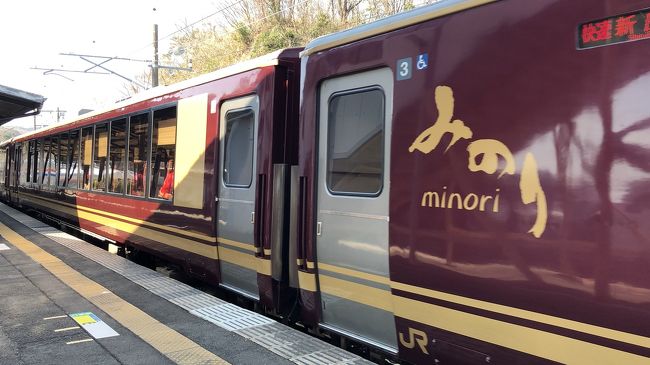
x: 415, y: 337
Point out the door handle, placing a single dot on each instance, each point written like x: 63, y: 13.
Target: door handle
x: 319, y: 228
x: 252, y: 217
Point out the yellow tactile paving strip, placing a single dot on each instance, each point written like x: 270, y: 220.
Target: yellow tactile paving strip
x: 170, y: 343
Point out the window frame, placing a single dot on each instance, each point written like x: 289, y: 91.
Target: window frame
x: 225, y: 147
x: 127, y: 124
x: 383, y: 141
x: 151, y: 114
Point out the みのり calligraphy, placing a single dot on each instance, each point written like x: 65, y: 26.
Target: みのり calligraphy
x: 484, y: 155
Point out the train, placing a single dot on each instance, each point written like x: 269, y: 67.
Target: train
x: 461, y: 183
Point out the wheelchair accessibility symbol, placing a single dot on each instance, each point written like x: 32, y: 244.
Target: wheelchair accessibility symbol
x: 423, y: 61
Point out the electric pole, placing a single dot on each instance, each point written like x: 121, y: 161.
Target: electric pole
x: 154, y: 67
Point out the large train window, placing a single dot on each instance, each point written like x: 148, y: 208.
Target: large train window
x: 24, y: 159
x: 31, y: 161
x: 138, y: 154
x: 52, y: 168
x: 86, y: 156
x: 72, y: 178
x: 238, y: 150
x: 163, y: 147
x: 64, y: 143
x: 38, y: 168
x: 99, y: 157
x: 355, y: 144
x: 117, y: 160
x: 45, y: 166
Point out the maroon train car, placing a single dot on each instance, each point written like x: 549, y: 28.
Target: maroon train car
x: 194, y: 172
x: 473, y: 182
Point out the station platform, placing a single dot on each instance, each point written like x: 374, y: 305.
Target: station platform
x: 65, y: 301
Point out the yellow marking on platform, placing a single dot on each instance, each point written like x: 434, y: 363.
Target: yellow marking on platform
x: 167, y: 341
x: 85, y: 319
x: 67, y: 329
x: 79, y: 341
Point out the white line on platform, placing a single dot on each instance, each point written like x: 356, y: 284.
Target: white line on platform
x: 55, y: 317
x: 67, y: 329
x: 79, y: 341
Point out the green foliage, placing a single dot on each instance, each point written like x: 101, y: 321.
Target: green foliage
x: 258, y: 27
x: 273, y: 39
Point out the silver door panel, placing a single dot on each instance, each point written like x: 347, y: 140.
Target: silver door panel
x: 235, y: 210
x: 352, y: 229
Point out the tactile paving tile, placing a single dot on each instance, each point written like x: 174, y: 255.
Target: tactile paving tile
x: 262, y: 331
x: 324, y: 357
x: 196, y: 301
x: 231, y: 317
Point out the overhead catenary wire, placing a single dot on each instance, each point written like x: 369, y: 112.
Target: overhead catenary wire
x: 221, y: 10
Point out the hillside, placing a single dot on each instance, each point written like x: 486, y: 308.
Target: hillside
x: 8, y: 132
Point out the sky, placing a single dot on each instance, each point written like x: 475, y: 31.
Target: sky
x: 34, y: 33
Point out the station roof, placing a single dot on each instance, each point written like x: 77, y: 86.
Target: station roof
x: 16, y: 103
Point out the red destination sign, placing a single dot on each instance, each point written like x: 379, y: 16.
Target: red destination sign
x: 618, y: 29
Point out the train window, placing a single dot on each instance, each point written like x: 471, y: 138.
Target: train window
x: 64, y: 144
x: 355, y: 152
x: 72, y: 179
x: 163, y: 144
x: 86, y: 156
x: 38, y: 168
x: 238, y: 149
x: 117, y: 154
x: 52, y: 168
x: 138, y: 154
x: 45, y: 166
x: 24, y: 160
x: 101, y: 152
x: 3, y: 162
x: 30, y: 160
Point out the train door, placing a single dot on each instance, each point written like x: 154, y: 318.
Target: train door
x: 352, y: 213
x: 15, y: 171
x: 236, y: 202
x: 8, y: 171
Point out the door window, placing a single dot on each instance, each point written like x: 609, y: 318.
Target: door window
x: 238, y: 151
x: 355, y: 146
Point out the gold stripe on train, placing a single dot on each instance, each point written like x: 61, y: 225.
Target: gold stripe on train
x: 245, y: 260
x: 111, y: 224
x: 367, y: 295
x: 130, y: 219
x: 539, y: 343
x: 241, y: 259
x: 354, y: 273
x: 307, y: 281
x: 242, y: 245
x: 495, y: 308
x: 528, y: 315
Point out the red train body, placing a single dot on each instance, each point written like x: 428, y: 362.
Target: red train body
x: 462, y: 183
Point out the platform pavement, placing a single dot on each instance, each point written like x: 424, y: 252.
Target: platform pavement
x: 29, y: 293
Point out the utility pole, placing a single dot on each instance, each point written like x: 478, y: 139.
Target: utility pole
x: 154, y: 67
